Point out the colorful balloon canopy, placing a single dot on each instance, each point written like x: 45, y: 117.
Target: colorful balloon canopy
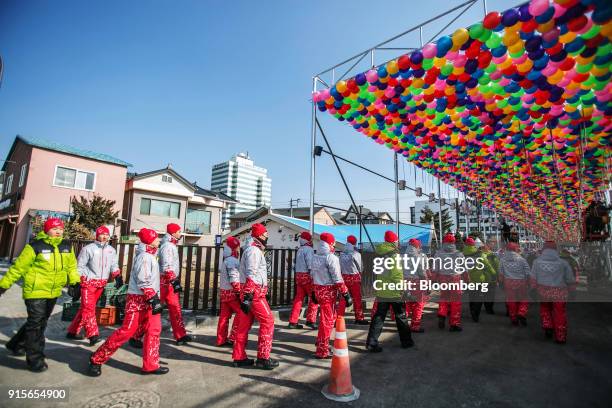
x: 514, y: 110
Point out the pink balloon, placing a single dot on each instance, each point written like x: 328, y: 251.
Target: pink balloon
x: 372, y: 76
x: 559, y: 10
x: 316, y: 96
x: 389, y: 92
x: 429, y: 50
x: 460, y: 60
x: 324, y: 94
x: 538, y: 7
x: 551, y: 35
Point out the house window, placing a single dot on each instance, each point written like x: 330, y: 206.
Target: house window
x: 166, y: 179
x: 9, y: 185
x: 73, y: 178
x: 159, y: 208
x: 24, y: 169
x: 197, y: 221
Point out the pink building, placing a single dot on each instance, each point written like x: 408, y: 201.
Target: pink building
x: 41, y: 177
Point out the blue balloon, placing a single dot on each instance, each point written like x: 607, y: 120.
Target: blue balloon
x: 510, y: 17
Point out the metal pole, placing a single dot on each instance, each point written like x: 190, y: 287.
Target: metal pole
x: 360, y: 229
x: 440, y: 211
x: 484, y: 3
x: 467, y: 215
x: 313, y: 140
x: 397, y: 228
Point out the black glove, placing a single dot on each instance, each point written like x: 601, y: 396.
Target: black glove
x: 2, y: 290
x: 314, y: 298
x: 74, y: 291
x: 246, y: 303
x: 348, y: 300
x: 156, y: 306
x: 118, y: 281
x: 176, y: 285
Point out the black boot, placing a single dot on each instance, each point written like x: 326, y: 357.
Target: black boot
x: 135, y: 343
x: 266, y: 364
x: 548, y: 333
x: 94, y: 370
x: 38, y: 367
x: 408, y: 344
x: 362, y: 322
x: 184, y: 340
x: 159, y: 371
x: 375, y: 349
x: 455, y: 329
x: 312, y: 325
x: 93, y: 340
x: 247, y: 362
x: 441, y: 322
x: 515, y: 322
x: 522, y: 320
x: 73, y: 336
x: 295, y: 326
x: 475, y: 316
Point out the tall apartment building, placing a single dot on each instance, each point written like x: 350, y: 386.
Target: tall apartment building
x: 246, y: 183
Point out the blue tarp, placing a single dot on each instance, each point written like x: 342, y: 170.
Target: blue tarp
x: 377, y: 231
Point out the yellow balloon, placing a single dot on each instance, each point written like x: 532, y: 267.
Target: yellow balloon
x: 556, y: 77
x: 510, y: 38
x: 341, y: 86
x: 606, y: 30
x: 439, y: 62
x: 418, y: 83
x: 567, y: 37
x: 516, y: 47
x: 392, y: 67
x: 460, y: 37
x: 546, y: 27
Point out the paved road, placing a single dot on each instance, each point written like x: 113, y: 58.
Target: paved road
x: 489, y: 364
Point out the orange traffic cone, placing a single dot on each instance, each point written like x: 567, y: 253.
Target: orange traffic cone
x: 340, y: 387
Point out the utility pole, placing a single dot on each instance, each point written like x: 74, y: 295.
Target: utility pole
x: 297, y: 204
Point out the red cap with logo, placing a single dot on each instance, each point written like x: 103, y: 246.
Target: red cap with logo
x: 351, y: 239
x: 306, y: 235
x: 329, y: 238
x: 391, y: 236
x: 147, y: 236
x: 257, y: 230
x: 52, y: 222
x: 415, y: 242
x: 173, y: 228
x: 102, y: 229
x: 448, y: 239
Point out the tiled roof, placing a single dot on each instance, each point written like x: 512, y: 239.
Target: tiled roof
x: 58, y: 147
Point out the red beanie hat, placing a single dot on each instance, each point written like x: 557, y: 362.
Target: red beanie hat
x: 102, y: 230
x: 390, y: 236
x: 257, y: 230
x: 415, y: 242
x: 52, y: 223
x: 306, y: 235
x: 147, y: 236
x: 448, y: 239
x: 513, y: 246
x: 470, y: 241
x: 550, y: 245
x: 351, y: 239
x: 173, y: 228
x: 234, y: 244
x: 327, y: 237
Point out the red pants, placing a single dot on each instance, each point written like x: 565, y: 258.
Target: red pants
x: 552, y: 310
x: 171, y: 299
x: 375, y: 308
x: 260, y: 310
x: 229, y: 305
x: 86, y: 316
x: 516, y: 297
x: 303, y: 287
x: 353, y: 283
x: 327, y: 297
x: 414, y: 308
x: 450, y: 300
x: 137, y: 313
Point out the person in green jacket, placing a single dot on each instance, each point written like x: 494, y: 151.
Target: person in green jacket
x: 389, y: 297
x: 493, y: 260
x: 45, y: 265
x: 485, y: 274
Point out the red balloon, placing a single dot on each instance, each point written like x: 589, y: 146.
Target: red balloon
x: 577, y: 23
x: 403, y: 62
x: 529, y: 25
x: 492, y: 20
x: 567, y: 64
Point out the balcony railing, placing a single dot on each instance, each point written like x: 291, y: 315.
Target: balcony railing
x: 197, y: 228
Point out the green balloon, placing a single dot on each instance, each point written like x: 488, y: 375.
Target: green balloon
x: 483, y: 80
x: 494, y: 41
x: 583, y: 69
x: 592, y: 32
x: 476, y: 31
x: 428, y: 63
x: 486, y: 34
x: 446, y: 70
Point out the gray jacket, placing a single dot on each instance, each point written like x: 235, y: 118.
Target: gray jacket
x: 441, y: 266
x: 550, y: 270
x: 513, y: 266
x: 350, y: 261
x: 414, y: 256
x: 145, y: 272
x: 253, y: 265
x: 168, y: 256
x: 326, y: 267
x: 97, y: 261
x: 229, y: 271
x: 303, y: 259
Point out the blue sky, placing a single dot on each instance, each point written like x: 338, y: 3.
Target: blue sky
x: 193, y: 82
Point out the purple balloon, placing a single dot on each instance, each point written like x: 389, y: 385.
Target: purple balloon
x: 533, y: 44
x: 510, y: 17
x: 416, y: 57
x: 524, y: 13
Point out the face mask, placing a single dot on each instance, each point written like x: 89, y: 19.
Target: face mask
x: 262, y: 241
x: 227, y: 252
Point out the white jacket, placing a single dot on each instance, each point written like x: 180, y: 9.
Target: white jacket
x: 513, y: 266
x: 326, y: 267
x: 253, y: 265
x: 145, y: 272
x: 550, y: 270
x: 229, y: 272
x: 97, y: 261
x: 350, y: 261
x: 303, y: 259
x: 168, y: 256
x: 442, y: 265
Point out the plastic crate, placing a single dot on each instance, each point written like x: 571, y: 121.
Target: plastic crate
x: 107, y: 294
x: 106, y: 316
x: 70, y: 310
